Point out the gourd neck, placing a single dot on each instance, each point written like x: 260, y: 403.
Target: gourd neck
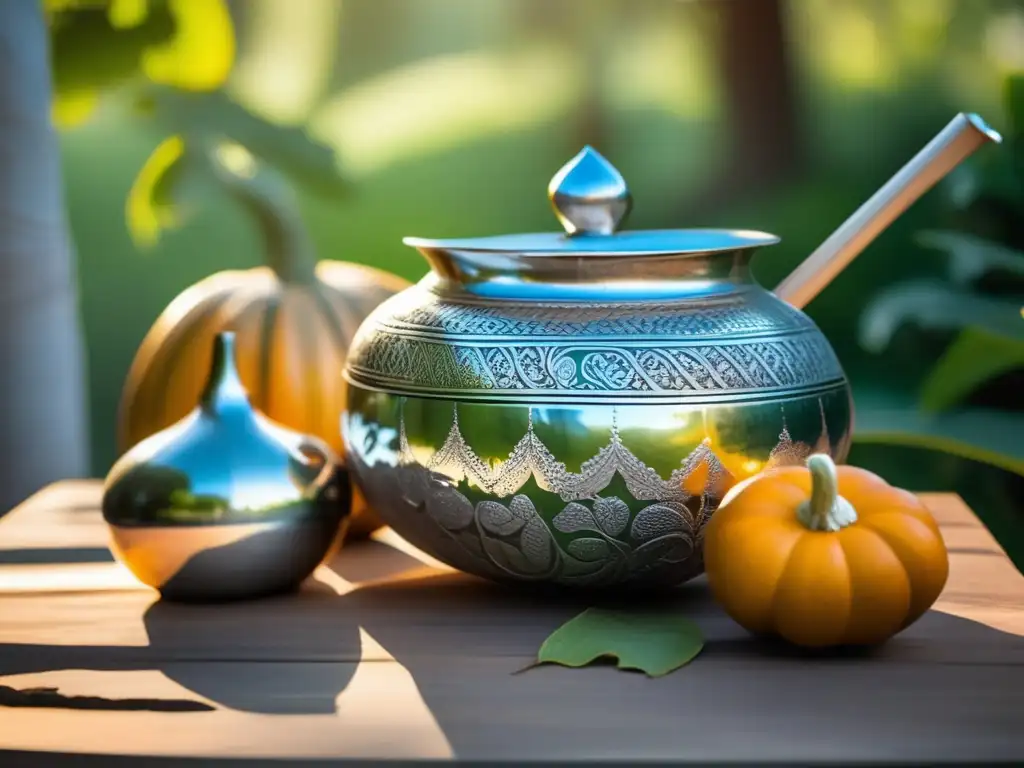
x: 224, y: 391
x: 826, y: 510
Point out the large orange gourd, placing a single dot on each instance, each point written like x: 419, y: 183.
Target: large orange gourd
x: 293, y: 322
x: 824, y: 555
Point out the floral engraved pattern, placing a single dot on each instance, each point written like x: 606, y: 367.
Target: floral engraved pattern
x: 397, y: 362
x: 719, y: 347
x: 565, y: 527
x: 424, y: 312
x: 612, y: 515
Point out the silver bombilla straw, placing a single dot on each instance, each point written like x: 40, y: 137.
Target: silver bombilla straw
x: 957, y: 141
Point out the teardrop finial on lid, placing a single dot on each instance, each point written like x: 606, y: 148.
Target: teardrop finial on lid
x: 589, y: 195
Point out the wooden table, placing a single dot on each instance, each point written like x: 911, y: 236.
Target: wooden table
x: 387, y: 654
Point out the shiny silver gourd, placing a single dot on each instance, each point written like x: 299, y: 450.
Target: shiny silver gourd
x: 571, y: 407
x: 225, y: 504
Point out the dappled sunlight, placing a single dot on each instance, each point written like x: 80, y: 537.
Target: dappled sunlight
x: 848, y: 47
x: 376, y: 691
x: 664, y: 67
x: 442, y: 102
x: 200, y: 55
x: 969, y: 79
x: 77, y: 577
x: 390, y: 538
x: 1004, y: 40
x: 287, y: 56
x: 920, y: 28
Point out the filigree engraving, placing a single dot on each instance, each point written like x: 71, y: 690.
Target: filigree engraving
x: 748, y: 313
x: 717, y: 348
x: 456, y: 460
x: 789, y: 453
x: 395, y: 362
x: 653, y: 535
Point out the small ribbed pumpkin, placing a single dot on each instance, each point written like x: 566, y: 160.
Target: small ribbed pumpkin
x: 293, y: 321
x: 824, y: 555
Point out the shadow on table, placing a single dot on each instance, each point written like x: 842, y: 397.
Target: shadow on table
x: 56, y: 556
x: 484, y: 708
x: 299, y: 650
x: 278, y: 638
x: 462, y: 639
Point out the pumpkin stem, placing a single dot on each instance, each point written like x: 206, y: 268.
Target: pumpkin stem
x: 826, y: 510
x: 268, y: 198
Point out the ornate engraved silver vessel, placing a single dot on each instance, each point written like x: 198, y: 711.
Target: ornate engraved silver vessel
x: 571, y: 407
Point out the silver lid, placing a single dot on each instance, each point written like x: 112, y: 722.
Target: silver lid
x: 591, y: 199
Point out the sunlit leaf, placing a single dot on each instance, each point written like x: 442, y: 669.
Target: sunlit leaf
x: 88, y: 54
x: 71, y: 109
x: 980, y: 434
x: 60, y: 6
x: 653, y: 642
x: 151, y: 206
x: 200, y: 55
x: 974, y: 358
x: 934, y: 305
x: 237, y: 160
x: 125, y: 14
x: 972, y: 257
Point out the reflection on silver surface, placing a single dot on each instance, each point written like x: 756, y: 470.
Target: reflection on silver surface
x: 225, y: 503
x: 574, y: 411
x: 573, y: 496
x: 589, y: 195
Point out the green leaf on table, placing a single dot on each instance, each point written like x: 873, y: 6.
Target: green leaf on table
x: 933, y: 304
x: 976, y: 356
x: 654, y: 642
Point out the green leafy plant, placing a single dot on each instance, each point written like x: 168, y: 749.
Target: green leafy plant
x: 171, y: 60
x: 978, y: 304
x: 653, y: 642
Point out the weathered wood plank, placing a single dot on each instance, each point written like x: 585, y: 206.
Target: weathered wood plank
x: 62, y: 516
x: 474, y: 708
x: 384, y: 656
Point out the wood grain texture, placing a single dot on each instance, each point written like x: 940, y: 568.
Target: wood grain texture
x: 385, y: 655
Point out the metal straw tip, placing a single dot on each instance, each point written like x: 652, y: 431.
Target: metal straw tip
x: 988, y: 131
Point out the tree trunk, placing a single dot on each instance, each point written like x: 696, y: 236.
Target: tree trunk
x: 759, y: 98
x: 43, y: 424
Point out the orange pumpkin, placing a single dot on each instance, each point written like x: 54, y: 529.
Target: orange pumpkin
x: 824, y: 555
x: 292, y: 331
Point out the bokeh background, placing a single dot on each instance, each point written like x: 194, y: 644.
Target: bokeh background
x: 448, y: 117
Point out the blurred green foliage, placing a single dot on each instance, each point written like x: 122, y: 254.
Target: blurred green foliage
x: 976, y: 309
x: 449, y: 118
x: 170, y: 58
x: 991, y: 492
